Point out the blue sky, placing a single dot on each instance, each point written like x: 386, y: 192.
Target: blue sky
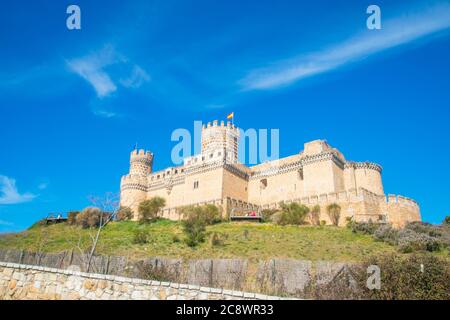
x: 74, y: 103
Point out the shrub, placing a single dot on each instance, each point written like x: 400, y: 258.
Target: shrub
x: 267, y: 214
x: 140, y: 236
x: 314, y: 215
x: 293, y: 213
x: 217, y: 239
x: 124, y: 214
x: 363, y: 227
x: 208, y: 214
x: 409, y: 241
x: 334, y: 212
x: 194, y: 229
x: 423, y: 277
x: 323, y: 222
x: 148, y: 209
x: 446, y: 220
x: 175, y: 238
x: 72, y: 217
x: 89, y: 218
x: 386, y: 233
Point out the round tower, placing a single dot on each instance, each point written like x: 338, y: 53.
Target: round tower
x: 141, y: 162
x: 220, y: 138
x: 133, y: 187
x: 365, y: 175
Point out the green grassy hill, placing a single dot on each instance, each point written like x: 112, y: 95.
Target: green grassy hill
x: 241, y: 240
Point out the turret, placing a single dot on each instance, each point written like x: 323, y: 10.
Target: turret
x: 133, y: 187
x: 365, y: 175
x: 141, y: 162
x: 220, y: 137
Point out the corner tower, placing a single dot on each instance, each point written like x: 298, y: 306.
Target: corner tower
x: 220, y: 139
x: 141, y: 162
x: 133, y: 187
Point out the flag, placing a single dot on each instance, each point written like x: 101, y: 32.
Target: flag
x: 230, y: 116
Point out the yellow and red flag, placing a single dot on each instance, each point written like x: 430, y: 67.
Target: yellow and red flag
x: 230, y: 116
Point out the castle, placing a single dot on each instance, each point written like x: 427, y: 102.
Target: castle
x: 318, y: 175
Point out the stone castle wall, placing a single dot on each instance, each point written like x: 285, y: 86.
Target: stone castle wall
x: 26, y: 282
x: 214, y: 175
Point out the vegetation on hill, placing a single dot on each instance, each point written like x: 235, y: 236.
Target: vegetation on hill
x: 236, y: 239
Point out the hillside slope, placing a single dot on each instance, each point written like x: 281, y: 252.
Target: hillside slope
x: 244, y: 240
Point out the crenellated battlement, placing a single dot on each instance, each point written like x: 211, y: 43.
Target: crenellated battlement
x: 221, y: 124
x: 351, y: 195
x: 363, y: 165
x: 141, y: 155
x: 318, y: 175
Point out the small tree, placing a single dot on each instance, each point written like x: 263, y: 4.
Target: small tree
x: 124, y: 214
x: 334, y: 212
x: 148, y: 209
x: 314, y: 215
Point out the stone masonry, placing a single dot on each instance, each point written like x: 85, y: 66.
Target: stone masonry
x: 25, y: 282
x: 319, y: 174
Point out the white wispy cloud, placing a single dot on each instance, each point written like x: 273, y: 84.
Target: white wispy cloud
x: 94, y: 69
x: 91, y: 68
x: 394, y: 32
x: 9, y: 193
x: 136, y: 79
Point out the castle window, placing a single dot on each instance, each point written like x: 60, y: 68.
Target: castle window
x: 158, y: 176
x: 263, y: 183
x: 176, y: 171
x: 300, y: 174
x: 211, y: 155
x: 196, y: 185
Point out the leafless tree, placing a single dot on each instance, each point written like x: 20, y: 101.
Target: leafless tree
x: 109, y: 206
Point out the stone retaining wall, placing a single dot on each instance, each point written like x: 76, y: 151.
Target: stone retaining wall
x: 19, y: 281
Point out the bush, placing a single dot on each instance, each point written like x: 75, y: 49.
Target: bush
x: 386, y: 233
x: 363, y: 227
x: 217, y: 239
x: 124, y: 214
x: 423, y: 277
x: 334, y: 212
x: 293, y: 213
x: 446, y: 220
x: 409, y: 241
x: 148, y: 209
x: 72, y: 217
x: 267, y: 214
x: 194, y: 229
x: 314, y: 215
x: 140, y: 236
x: 89, y: 218
x: 208, y: 214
